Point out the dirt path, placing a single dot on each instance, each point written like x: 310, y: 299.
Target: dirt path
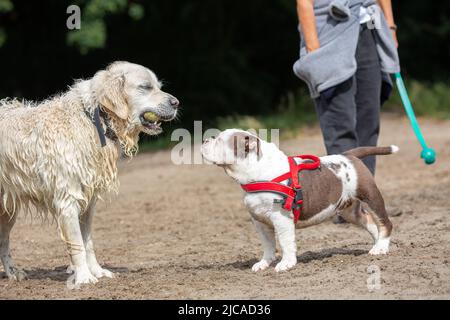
x: 182, y: 232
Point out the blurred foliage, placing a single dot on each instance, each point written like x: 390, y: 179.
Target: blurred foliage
x: 221, y: 58
x: 5, y: 6
x: 428, y: 99
x: 136, y: 11
x: 92, y: 34
x: 424, y: 33
x: 296, y: 109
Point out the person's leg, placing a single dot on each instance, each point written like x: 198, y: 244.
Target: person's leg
x: 368, y: 81
x: 337, y: 118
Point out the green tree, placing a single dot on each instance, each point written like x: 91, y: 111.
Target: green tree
x: 5, y: 6
x: 93, y: 33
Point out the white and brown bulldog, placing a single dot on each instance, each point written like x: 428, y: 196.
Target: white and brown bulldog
x: 340, y: 181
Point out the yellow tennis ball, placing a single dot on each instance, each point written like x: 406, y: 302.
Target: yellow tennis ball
x: 150, y: 116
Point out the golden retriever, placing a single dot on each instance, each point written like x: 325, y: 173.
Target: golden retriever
x: 54, y: 157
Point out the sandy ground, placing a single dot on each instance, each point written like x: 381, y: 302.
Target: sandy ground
x: 183, y: 232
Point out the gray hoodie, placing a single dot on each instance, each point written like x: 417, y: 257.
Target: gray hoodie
x: 338, y: 31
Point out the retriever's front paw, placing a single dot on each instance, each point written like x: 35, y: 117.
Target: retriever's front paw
x: 100, y: 272
x: 261, y: 265
x: 15, y: 274
x: 285, y: 264
x: 70, y: 269
x: 81, y: 276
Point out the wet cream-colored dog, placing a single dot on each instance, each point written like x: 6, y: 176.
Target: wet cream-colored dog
x: 52, y: 158
x: 340, y: 181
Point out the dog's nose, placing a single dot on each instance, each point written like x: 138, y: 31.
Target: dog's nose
x: 174, y: 102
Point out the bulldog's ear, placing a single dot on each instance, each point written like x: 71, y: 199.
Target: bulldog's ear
x: 245, y: 143
x: 109, y: 90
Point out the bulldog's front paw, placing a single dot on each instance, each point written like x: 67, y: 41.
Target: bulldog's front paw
x: 377, y: 250
x: 285, y: 264
x: 261, y: 265
x: 380, y: 247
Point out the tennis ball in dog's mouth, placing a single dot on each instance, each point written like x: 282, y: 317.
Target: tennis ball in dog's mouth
x: 151, y: 117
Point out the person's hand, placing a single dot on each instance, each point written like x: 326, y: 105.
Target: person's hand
x: 394, y: 35
x: 313, y: 44
x: 312, y: 48
x: 393, y: 28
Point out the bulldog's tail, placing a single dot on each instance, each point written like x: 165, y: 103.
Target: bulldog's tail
x: 363, y: 152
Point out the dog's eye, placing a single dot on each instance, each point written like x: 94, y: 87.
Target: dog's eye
x: 146, y: 87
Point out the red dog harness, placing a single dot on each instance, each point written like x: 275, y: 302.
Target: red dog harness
x: 292, y: 192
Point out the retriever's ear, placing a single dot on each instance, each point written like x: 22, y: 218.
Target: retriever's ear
x: 244, y: 143
x: 109, y: 91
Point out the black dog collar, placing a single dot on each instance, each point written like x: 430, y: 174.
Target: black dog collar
x: 96, y: 120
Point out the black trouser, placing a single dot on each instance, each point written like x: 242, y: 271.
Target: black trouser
x: 351, y: 116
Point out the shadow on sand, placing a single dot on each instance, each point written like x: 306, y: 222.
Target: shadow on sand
x: 305, y: 257
x: 58, y: 273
